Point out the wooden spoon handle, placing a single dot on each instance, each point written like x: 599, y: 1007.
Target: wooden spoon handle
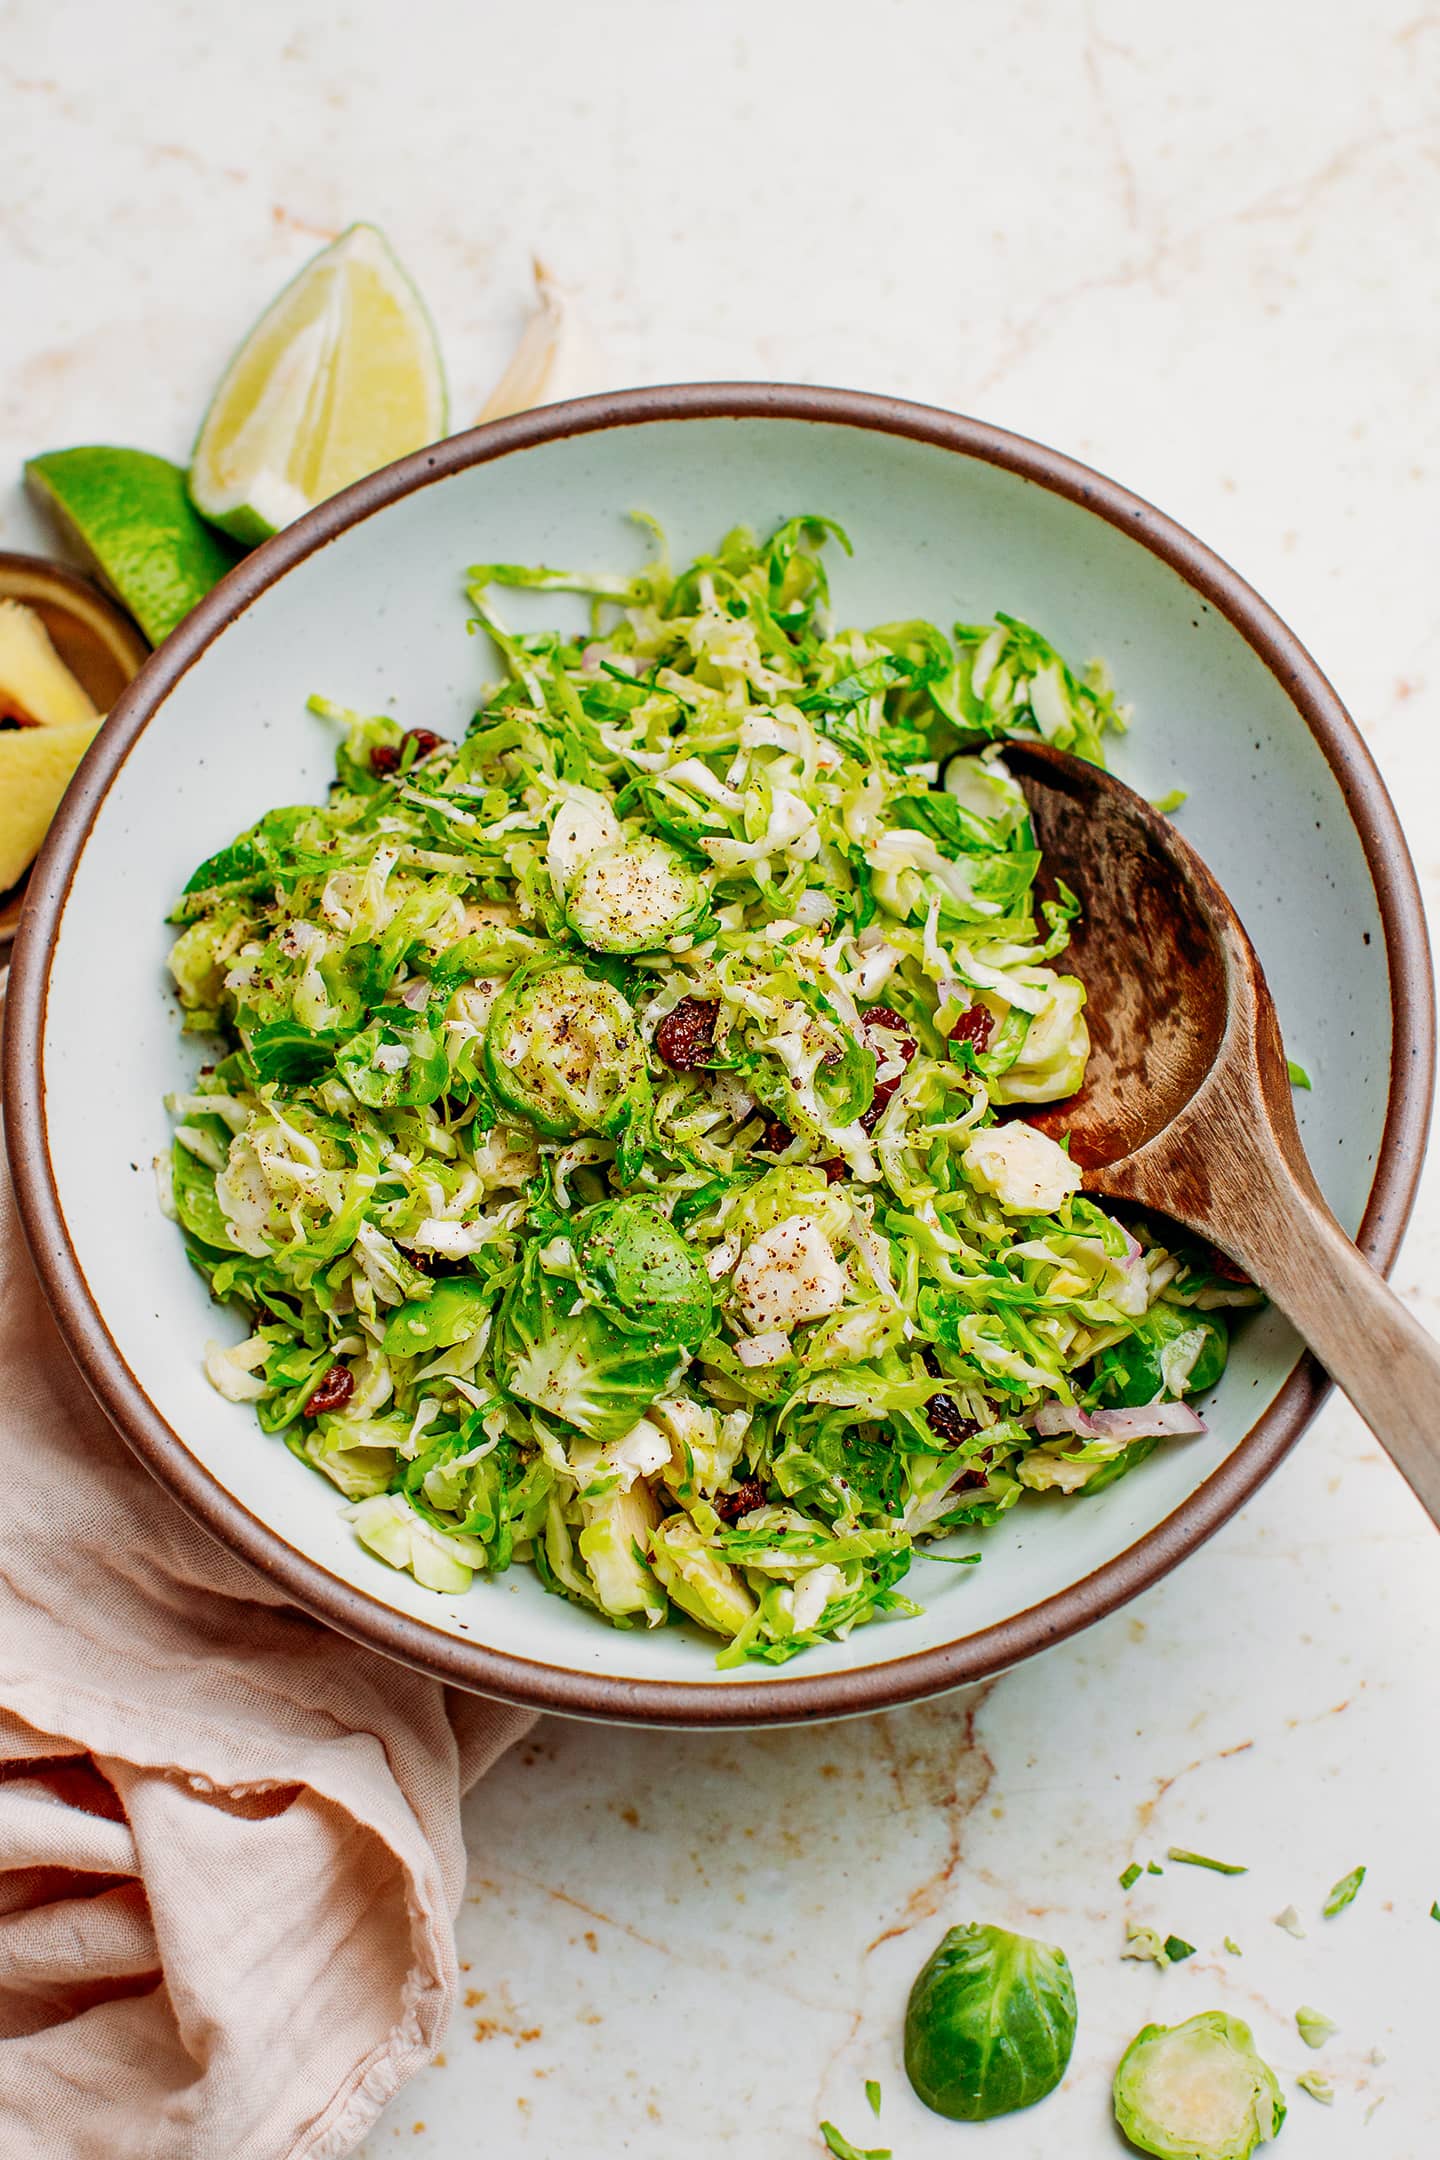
x: 1350, y: 1317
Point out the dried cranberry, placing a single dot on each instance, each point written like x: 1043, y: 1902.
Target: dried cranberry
x: 730, y: 1506
x: 686, y: 1037
x: 887, y: 1035
x: 425, y: 740
x: 384, y: 759
x: 777, y: 1135
x: 335, y: 1389
x: 1221, y: 1264
x: 942, y: 1415
x: 974, y: 1027
x: 835, y: 1169
x: 978, y: 1474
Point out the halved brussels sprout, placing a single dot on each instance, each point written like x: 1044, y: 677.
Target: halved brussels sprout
x: 640, y: 1270
x: 613, y: 1543
x: 633, y: 896
x: 1197, y: 2091
x: 990, y: 2024
x: 1174, y: 1350
x: 577, y: 1365
x: 563, y: 1050
x: 600, y: 1359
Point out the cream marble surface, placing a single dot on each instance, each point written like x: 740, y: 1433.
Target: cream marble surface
x: 1196, y: 248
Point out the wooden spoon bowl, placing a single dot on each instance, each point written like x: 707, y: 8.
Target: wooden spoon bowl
x: 1186, y: 1107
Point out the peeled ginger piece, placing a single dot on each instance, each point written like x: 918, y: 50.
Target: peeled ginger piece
x: 36, y: 687
x: 36, y: 767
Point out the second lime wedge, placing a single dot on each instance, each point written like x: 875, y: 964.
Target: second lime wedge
x: 127, y: 514
x: 339, y: 376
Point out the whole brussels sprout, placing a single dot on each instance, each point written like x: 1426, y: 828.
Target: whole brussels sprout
x: 563, y: 1051
x: 1197, y: 2091
x: 990, y: 2024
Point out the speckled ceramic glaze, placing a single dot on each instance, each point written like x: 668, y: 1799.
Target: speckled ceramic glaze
x: 362, y: 600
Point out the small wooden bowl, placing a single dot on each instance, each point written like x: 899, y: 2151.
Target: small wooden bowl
x: 101, y: 647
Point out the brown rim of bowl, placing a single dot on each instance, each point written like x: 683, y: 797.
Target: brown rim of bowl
x: 906, y: 1677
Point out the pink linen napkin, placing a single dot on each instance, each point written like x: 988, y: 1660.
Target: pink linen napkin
x: 230, y: 1848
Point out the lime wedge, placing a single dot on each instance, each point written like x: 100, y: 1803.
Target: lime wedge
x: 129, y: 517
x: 341, y: 375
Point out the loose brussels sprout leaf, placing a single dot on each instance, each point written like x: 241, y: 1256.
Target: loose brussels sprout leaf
x: 452, y: 1312
x: 1197, y: 1859
x: 700, y: 1582
x: 389, y: 1068
x: 1173, y: 1351
x: 390, y: 1527
x: 643, y: 1275
x: 990, y: 2024
x: 633, y: 896
x: 1053, y: 1056
x: 581, y: 1366
x: 1197, y: 2091
x: 359, y: 1472
x: 563, y: 1050
x: 1318, y: 2086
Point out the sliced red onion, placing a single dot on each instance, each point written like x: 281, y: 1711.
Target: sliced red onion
x: 1155, y: 1421
x: 1053, y: 1418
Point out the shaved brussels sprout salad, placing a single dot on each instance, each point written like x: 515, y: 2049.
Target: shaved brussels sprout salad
x: 612, y: 1137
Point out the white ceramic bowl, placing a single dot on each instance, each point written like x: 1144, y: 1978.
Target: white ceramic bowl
x: 362, y: 600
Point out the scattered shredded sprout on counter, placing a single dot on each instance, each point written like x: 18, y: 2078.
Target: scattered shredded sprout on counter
x: 1313, y: 2026
x: 1195, y: 1859
x: 1343, y: 1893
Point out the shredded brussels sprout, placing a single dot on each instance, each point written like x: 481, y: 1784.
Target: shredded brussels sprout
x: 602, y: 1139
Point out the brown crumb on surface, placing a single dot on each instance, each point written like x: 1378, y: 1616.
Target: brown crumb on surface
x: 473, y: 1996
x: 630, y: 1815
x: 590, y: 1940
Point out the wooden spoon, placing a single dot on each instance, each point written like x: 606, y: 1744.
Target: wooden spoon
x: 1186, y: 1104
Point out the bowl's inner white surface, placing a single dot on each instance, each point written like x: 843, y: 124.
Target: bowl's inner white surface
x: 376, y: 619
